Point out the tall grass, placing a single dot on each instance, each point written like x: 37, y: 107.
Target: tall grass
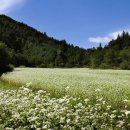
x: 77, y: 99
x: 114, y: 85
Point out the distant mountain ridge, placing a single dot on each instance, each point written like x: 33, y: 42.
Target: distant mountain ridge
x: 32, y: 48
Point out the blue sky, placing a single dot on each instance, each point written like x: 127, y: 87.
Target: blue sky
x: 85, y: 23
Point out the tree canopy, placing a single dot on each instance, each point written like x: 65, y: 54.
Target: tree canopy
x: 5, y: 59
x: 32, y: 48
x: 35, y: 49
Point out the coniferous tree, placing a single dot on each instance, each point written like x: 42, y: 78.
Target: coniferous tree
x: 4, y: 59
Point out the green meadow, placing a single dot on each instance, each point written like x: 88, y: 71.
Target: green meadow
x: 113, y: 85
x: 65, y: 99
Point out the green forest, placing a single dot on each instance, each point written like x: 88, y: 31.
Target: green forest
x: 28, y: 47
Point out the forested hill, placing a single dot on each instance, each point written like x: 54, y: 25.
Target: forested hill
x: 35, y: 49
x: 115, y: 55
x: 31, y: 48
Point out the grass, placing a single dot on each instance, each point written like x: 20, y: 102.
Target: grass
x: 4, y: 85
x: 98, y: 99
x: 24, y: 109
x: 113, y: 85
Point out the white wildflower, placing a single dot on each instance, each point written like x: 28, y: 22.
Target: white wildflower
x: 127, y: 113
x: 126, y: 100
x: 97, y: 90
x: 79, y: 104
x: 61, y: 100
x: 67, y: 88
x: 121, y: 123
x: 103, y: 102
x: 100, y: 99
x: 108, y: 106
x: 62, y: 119
x: 36, y: 98
x: 114, y: 111
x: 44, y: 127
x: 68, y: 120
x: 112, y: 116
x: 28, y: 84
x: 25, y: 89
x: 86, y: 100
x: 41, y: 91
x: 38, y: 128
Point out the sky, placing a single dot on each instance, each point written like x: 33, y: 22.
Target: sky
x: 84, y: 23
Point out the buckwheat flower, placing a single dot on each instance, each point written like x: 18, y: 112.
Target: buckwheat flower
x: 119, y: 116
x: 41, y: 91
x: 61, y: 100
x: 127, y: 113
x: 62, y: 119
x: 98, y: 104
x: 15, y: 100
x: 103, y: 102
x: 112, y: 116
x: 86, y: 100
x: 77, y: 111
x: 79, y: 104
x: 125, y: 100
x: 7, y: 128
x: 108, y: 106
x: 36, y: 98
x: 25, y: 89
x: 68, y: 120
x: 121, y: 123
x: 36, y: 109
x: 97, y: 90
x: 33, y: 126
x: 74, y: 99
x: 51, y: 101
x: 100, y: 99
x: 28, y: 84
x: 105, y: 114
x: 50, y: 115
x: 44, y: 127
x: 31, y: 110
x: 67, y: 88
x: 82, y: 128
x: 38, y: 128
x: 103, y: 126
x: 17, y: 116
x: 114, y: 111
x: 43, y: 110
x: 34, y: 118
x: 24, y: 98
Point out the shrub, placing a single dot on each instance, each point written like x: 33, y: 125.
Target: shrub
x: 5, y: 59
x: 125, y: 65
x: 104, y: 66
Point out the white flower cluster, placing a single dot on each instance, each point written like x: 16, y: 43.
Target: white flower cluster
x: 24, y: 109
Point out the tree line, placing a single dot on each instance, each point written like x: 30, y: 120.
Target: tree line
x: 31, y: 48
x: 115, y: 55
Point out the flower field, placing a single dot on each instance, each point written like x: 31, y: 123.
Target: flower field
x: 24, y: 109
x: 65, y: 99
x: 112, y: 85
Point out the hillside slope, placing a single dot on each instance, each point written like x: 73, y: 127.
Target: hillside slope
x: 115, y: 55
x: 32, y: 48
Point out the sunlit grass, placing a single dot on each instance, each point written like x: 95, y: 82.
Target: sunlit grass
x: 114, y: 85
x: 77, y: 99
x: 4, y: 85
